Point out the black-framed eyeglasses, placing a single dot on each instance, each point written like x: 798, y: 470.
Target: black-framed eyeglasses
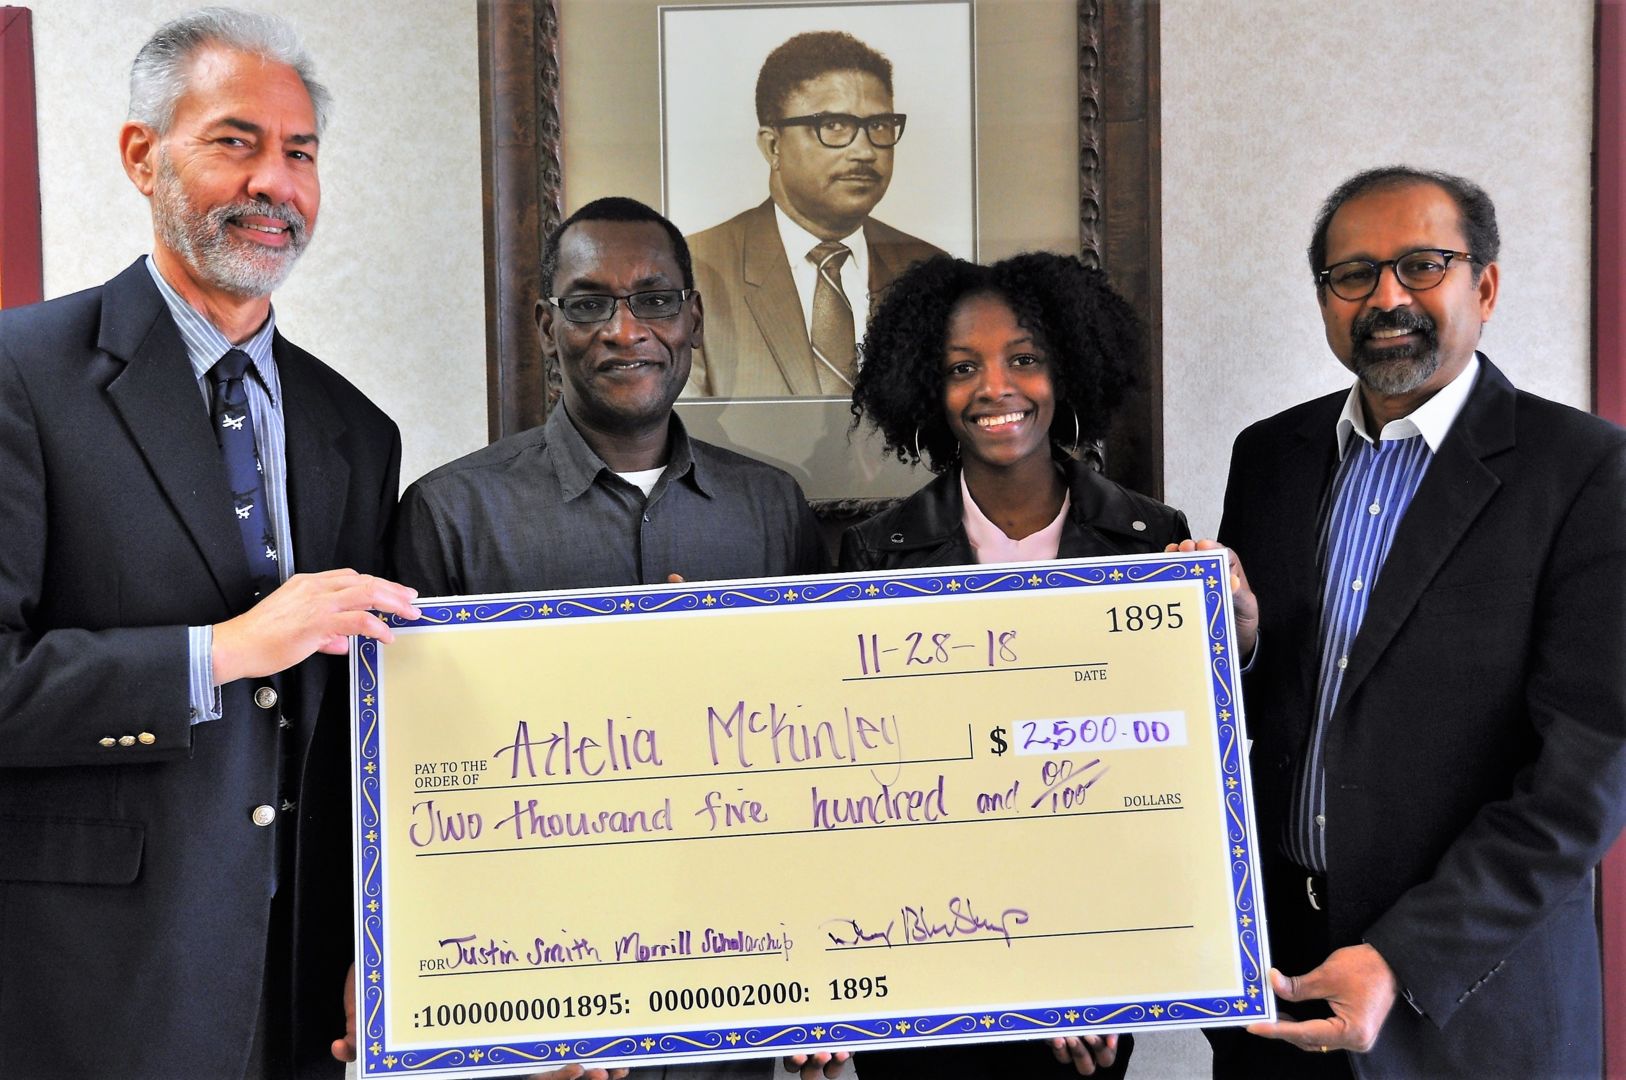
x: 1418, y: 271
x: 600, y: 307
x: 838, y: 129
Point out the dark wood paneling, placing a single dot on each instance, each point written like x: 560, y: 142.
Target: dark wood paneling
x: 1131, y: 224
x: 513, y: 143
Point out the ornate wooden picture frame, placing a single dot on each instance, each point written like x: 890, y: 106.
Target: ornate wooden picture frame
x: 523, y: 141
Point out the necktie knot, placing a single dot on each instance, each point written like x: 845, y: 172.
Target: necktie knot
x: 232, y: 366
x: 830, y: 254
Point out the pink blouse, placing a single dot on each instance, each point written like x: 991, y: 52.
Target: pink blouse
x: 991, y: 545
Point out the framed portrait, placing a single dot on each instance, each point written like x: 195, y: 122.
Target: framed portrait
x: 1029, y: 125
x: 20, y: 264
x: 713, y: 166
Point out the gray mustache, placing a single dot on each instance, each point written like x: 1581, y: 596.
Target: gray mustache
x: 1395, y: 319
x: 282, y: 213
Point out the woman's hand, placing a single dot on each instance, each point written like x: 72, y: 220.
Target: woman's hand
x: 1087, y: 1052
x: 813, y: 1066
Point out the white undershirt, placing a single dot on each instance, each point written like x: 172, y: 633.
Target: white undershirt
x: 854, y: 271
x: 643, y: 480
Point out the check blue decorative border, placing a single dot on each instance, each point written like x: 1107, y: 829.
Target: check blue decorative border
x: 1249, y: 1004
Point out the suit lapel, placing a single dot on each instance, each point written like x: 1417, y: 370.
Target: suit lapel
x: 1288, y: 574
x: 318, y: 480
x: 157, y: 397
x: 1305, y: 473
x: 1453, y: 492
x: 318, y: 473
x: 775, y: 305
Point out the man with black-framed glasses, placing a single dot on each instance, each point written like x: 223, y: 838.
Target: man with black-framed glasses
x: 1437, y: 703
x: 788, y: 283
x: 610, y: 490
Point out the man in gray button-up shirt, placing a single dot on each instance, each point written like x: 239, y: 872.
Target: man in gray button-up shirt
x: 611, y: 490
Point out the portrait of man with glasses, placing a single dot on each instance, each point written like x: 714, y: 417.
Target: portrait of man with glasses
x: 788, y: 283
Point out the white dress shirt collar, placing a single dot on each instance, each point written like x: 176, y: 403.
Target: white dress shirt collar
x: 1432, y: 419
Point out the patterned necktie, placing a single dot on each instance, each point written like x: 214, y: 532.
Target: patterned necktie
x: 832, y: 332
x: 234, y: 431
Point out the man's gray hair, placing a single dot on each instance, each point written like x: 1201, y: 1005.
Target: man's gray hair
x: 162, y: 68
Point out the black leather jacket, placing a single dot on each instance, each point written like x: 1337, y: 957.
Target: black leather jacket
x: 926, y: 529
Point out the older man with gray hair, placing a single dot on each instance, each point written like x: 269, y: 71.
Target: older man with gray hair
x: 190, y: 508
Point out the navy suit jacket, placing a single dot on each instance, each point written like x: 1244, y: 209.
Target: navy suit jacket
x: 135, y: 890
x: 1476, y: 759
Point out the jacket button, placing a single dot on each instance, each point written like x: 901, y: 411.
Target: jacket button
x: 263, y: 815
x: 897, y: 538
x: 146, y: 738
x: 126, y: 740
x: 109, y: 741
x: 265, y: 697
x: 1138, y: 526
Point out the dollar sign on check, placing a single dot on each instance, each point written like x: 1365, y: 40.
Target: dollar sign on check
x: 997, y: 737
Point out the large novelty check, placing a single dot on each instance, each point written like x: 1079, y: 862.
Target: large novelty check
x: 726, y: 820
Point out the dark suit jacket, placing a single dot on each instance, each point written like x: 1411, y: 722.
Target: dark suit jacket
x: 1476, y: 761
x: 135, y: 891
x: 756, y: 342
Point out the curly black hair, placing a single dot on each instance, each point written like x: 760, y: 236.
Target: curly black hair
x: 1090, y: 333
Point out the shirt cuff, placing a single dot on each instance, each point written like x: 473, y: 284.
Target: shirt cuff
x: 1247, y: 665
x: 203, y: 697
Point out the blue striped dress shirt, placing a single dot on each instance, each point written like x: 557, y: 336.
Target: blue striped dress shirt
x: 204, y: 346
x: 1371, y: 491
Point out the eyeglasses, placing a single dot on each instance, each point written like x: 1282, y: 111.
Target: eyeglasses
x: 1418, y: 271
x: 597, y: 308
x: 838, y: 129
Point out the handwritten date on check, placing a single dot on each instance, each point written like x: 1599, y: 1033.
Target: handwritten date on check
x: 748, y: 819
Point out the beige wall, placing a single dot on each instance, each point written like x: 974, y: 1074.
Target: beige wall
x: 391, y: 292
x: 1268, y: 104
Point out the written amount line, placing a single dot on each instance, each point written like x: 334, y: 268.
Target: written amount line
x: 798, y: 832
